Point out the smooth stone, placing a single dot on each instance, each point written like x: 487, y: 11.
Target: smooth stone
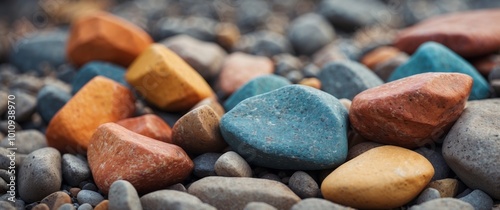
x: 91, y: 197
x: 67, y: 206
x: 179, y: 187
x: 74, y: 169
x: 427, y: 195
x: 74, y: 191
x: 286, y: 63
x: 89, y: 186
x: 197, y: 27
x: 294, y: 121
x: 212, y: 103
x: 327, y: 54
x: 6, y: 205
x: 116, y: 153
x: 3, y: 97
x: 384, y: 69
x: 85, y: 206
x: 379, y: 55
x: 27, y: 83
x: 264, y: 43
x: 102, y: 205
x: 441, y: 168
x: 346, y: 79
x: 259, y: 206
x: 231, y: 164
x: 434, y: 57
x: 40, y: 175
x: 313, y: 28
x: 311, y: 82
x: 55, y: 200
x: 41, y: 206
x: 410, y: 112
x: 318, y: 204
x: 26, y: 141
x: 227, y: 34
x: 256, y: 86
x: 237, y: 192
x: 479, y: 200
x: 361, y: 148
x: 271, y: 176
x: 6, y: 156
x: 123, y: 196
x: 252, y: 14
x: 395, y: 172
x: 171, y: 84
x: 172, y: 199
x: 149, y: 125
x: 448, y: 188
x: 50, y: 100
x: 353, y: 15
x: 443, y: 203
x: 204, y: 164
x: 303, y: 185
x: 25, y: 106
x: 97, y: 68
x: 471, y: 146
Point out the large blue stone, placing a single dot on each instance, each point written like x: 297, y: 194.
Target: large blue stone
x: 259, y: 85
x: 97, y: 68
x: 295, y: 127
x: 434, y: 57
x: 50, y: 100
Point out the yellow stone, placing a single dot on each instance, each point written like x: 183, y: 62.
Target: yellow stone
x: 166, y: 80
x: 381, y: 178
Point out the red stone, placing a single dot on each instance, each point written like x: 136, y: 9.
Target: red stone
x: 149, y: 125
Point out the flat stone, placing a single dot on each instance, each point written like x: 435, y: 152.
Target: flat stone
x: 256, y: 86
x: 294, y: 121
x: 303, y: 185
x: 212, y: 103
x: 116, y: 153
x: 318, y: 204
x: 97, y: 68
x: 237, y: 192
x: 352, y: 15
x: 427, y: 195
x: 25, y: 106
x: 91, y: 197
x: 149, y: 125
x: 313, y: 28
x: 40, y: 175
x: 259, y: 206
x: 93, y: 37
x: 198, y: 131
x: 74, y: 170
x: 26, y: 141
x: 441, y: 168
x: 232, y: 165
x: 410, y: 112
x: 448, y: 188
x: 204, y: 164
x: 361, y: 148
x: 50, y: 100
x: 101, y: 100
x: 479, y: 200
x: 443, y: 203
x: 471, y: 147
x: 170, y: 84
x: 346, y: 79
x: 434, y: 57
x: 123, y: 196
x: 56, y: 200
x: 379, y: 55
x: 395, y: 172
x: 172, y: 199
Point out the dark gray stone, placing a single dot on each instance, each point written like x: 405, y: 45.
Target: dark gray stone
x: 204, y: 165
x: 478, y: 199
x: 198, y: 27
x: 303, y: 185
x: 271, y: 176
x: 233, y: 165
x: 98, y: 68
x: 352, y: 15
x: 259, y: 206
x: 123, y: 196
x: 74, y: 170
x: 384, y: 69
x: 25, y: 106
x: 251, y: 14
x: 427, y: 195
x: 88, y: 196
x: 443, y: 203
x: 264, y: 43
x: 318, y: 204
x: 27, y: 83
x: 309, y: 32
x: 441, y: 168
x: 494, y: 74
x: 172, y: 200
x: 50, y: 100
x: 89, y: 186
x: 26, y: 141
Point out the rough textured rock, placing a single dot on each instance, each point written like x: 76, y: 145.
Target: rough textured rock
x: 213, y: 103
x: 171, y: 199
x: 318, y: 204
x: 232, y: 165
x: 412, y: 111
x: 311, y: 27
x: 443, y: 203
x: 123, y: 196
x: 149, y: 125
x: 448, y: 188
x: 303, y: 185
x: 97, y: 68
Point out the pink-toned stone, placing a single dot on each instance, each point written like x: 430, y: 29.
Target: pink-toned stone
x: 149, y: 125
x: 412, y: 111
x: 116, y: 153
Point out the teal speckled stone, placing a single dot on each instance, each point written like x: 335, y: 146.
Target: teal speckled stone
x: 295, y: 127
x: 98, y: 68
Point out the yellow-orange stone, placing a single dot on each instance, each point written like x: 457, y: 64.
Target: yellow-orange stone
x: 100, y: 101
x: 166, y: 80
x: 381, y: 178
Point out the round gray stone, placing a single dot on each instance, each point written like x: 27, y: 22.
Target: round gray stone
x: 204, y: 164
x: 318, y: 204
x: 172, y: 200
x: 66, y: 206
x: 91, y: 197
x: 27, y: 141
x: 179, y: 187
x: 313, y: 28
x: 259, y: 206
x: 303, y: 185
x: 443, y: 203
x: 427, y: 195
x: 479, y: 199
x: 85, y: 206
x: 233, y: 165
x: 74, y: 169
x: 123, y: 196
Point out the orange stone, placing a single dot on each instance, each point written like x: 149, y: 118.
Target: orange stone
x: 379, y: 55
x: 103, y: 205
x: 149, y: 125
x: 55, y: 200
x: 412, y: 111
x: 116, y: 153
x: 105, y: 37
x: 100, y: 101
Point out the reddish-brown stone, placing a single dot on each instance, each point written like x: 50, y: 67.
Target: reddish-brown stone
x: 116, y: 153
x: 469, y: 34
x: 412, y: 111
x: 149, y: 125
x: 379, y: 55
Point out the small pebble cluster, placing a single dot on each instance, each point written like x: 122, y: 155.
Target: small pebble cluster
x: 251, y: 104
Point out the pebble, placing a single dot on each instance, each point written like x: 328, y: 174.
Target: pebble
x: 448, y: 188
x: 27, y: 83
x: 91, y: 197
x: 40, y: 175
x: 97, y: 68
x: 441, y: 168
x: 172, y: 199
x: 259, y: 206
x: 251, y: 14
x: 205, y: 57
x: 67, y: 206
x: 427, y: 195
x: 384, y: 69
x: 313, y: 28
x: 494, y: 74
x: 471, y: 147
x: 41, y: 206
x: 479, y: 200
x: 352, y: 15
x: 6, y: 205
x: 101, y: 100
x: 271, y: 176
x: 74, y: 191
x: 25, y: 106
x: 294, y: 121
x: 454, y: 32
x: 204, y: 164
x: 227, y: 34
x: 303, y: 185
x: 443, y: 203
x: 256, y: 86
x: 434, y: 57
x: 361, y: 148
x: 198, y: 131
x: 239, y: 68
x: 379, y: 55
x: 237, y: 192
x: 264, y: 43
x: 149, y: 125
x: 346, y: 79
x: 74, y: 169
x: 26, y: 141
x: 311, y: 82
x: 50, y: 100
x: 89, y: 186
x: 93, y: 37
x: 198, y: 27
x: 3, y: 97
x: 212, y: 103
x: 102, y: 205
x: 318, y: 204
x: 85, y: 206
x: 231, y: 164
x: 397, y: 173
x: 179, y: 187
x: 123, y: 196
x: 116, y: 153
x: 410, y: 112
x: 329, y: 53
x: 56, y: 199
x: 171, y: 84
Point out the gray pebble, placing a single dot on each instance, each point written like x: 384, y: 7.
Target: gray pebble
x: 6, y: 205
x: 179, y: 187
x: 50, y: 100
x: 313, y: 28
x: 231, y: 164
x: 441, y: 168
x: 427, y: 195
x: 4, y: 127
x: 85, y: 206
x: 27, y: 141
x: 494, y: 74
x: 271, y: 176
x: 123, y: 196
x: 74, y: 169
x: 303, y: 185
x: 91, y: 197
x: 5, y: 159
x: 443, y: 203
x: 318, y: 204
x: 259, y: 206
x: 385, y: 69
x: 25, y: 106
x: 90, y: 186
x: 479, y: 199
x: 204, y: 165
x: 66, y: 206
x: 3, y: 186
x: 27, y: 83
x: 172, y: 200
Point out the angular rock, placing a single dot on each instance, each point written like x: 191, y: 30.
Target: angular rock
x: 352, y: 15
x: 427, y: 195
x: 318, y: 204
x: 236, y: 192
x: 479, y: 200
x: 123, y: 196
x: 174, y: 200
x: 101, y: 100
x: 150, y: 164
x: 259, y: 206
x: 396, y: 173
x: 313, y: 28
x: 50, y: 100
x: 303, y: 185
x: 74, y: 169
x: 213, y: 103
x: 204, y: 164
x: 410, y: 112
x: 26, y: 141
x: 170, y: 84
x: 149, y: 125
x: 443, y: 203
x: 232, y: 165
x: 88, y: 196
x: 434, y: 57
x: 448, y: 188
x: 97, y: 68
x: 55, y: 200
x: 294, y: 121
x: 441, y: 168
